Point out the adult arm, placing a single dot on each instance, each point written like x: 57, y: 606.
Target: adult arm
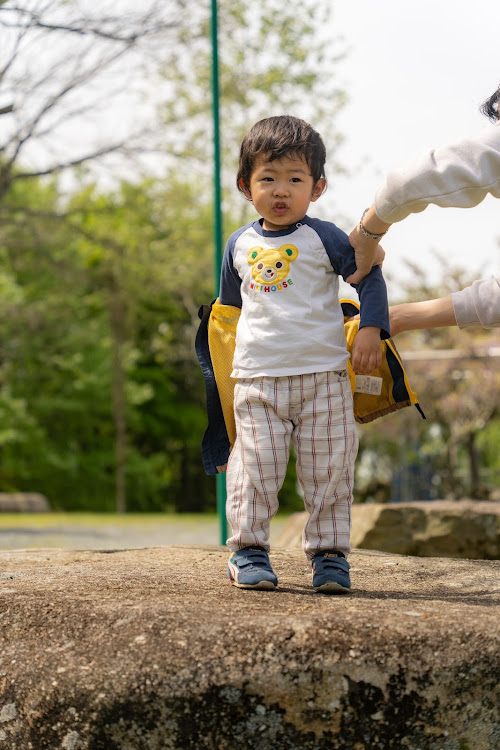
x: 478, y: 304
x: 457, y: 175
x: 433, y: 313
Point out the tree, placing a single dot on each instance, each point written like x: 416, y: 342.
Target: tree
x: 50, y: 95
x: 143, y: 249
x: 64, y: 67
x: 273, y: 59
x: 458, y: 386
x: 62, y: 283
x: 57, y: 433
x: 147, y: 249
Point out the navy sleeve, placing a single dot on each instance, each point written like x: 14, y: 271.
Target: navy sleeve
x: 230, y: 281
x: 372, y: 291
x: 373, y: 304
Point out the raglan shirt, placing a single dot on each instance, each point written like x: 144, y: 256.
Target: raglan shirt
x: 287, y: 285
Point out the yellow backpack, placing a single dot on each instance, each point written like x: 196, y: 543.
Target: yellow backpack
x: 384, y: 391
x: 388, y: 387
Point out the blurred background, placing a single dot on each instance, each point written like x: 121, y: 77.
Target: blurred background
x: 106, y: 234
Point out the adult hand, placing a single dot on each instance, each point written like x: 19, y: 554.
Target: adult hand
x: 366, y: 249
x: 367, y: 252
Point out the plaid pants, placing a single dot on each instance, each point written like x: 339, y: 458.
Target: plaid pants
x: 314, y: 412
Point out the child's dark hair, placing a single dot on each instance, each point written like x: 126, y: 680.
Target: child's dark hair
x: 490, y: 106
x: 280, y: 136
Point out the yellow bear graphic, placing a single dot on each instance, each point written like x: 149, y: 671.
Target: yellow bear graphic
x: 270, y: 266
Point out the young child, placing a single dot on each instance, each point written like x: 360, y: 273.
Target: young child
x: 290, y: 358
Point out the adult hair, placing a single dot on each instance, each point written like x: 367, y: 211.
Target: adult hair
x: 490, y: 106
x: 275, y: 137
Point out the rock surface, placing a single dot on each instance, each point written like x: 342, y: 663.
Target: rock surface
x: 153, y: 649
x: 440, y: 528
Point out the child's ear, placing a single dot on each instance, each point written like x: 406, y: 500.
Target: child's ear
x: 244, y: 190
x: 318, y: 189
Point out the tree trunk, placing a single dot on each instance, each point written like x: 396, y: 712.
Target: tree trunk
x: 451, y: 481
x: 473, y: 464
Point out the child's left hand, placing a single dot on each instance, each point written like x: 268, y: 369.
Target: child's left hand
x: 366, y: 350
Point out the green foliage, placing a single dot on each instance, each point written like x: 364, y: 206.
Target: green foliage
x: 149, y: 247
x: 154, y: 243
x: 99, y: 290
x: 452, y: 453
x: 99, y: 293
x: 290, y: 497
x: 273, y: 59
x: 121, y: 273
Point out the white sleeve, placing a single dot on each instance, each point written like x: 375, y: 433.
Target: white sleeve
x: 478, y: 304
x: 459, y: 175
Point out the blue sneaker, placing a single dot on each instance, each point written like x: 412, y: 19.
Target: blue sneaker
x: 249, y: 568
x: 331, y: 572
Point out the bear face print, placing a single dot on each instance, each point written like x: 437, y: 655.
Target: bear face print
x: 271, y: 265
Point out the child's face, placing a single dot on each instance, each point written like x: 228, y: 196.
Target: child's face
x: 281, y: 190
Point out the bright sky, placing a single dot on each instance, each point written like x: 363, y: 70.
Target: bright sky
x: 415, y: 75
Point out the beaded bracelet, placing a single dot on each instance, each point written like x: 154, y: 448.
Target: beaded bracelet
x: 366, y: 232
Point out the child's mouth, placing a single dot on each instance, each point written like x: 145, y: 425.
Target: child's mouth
x: 280, y: 208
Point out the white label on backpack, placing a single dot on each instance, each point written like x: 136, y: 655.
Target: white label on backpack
x: 368, y: 384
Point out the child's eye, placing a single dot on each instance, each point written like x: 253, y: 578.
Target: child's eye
x: 267, y: 179
x: 295, y: 179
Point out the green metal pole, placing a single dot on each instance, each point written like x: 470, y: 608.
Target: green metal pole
x: 220, y: 478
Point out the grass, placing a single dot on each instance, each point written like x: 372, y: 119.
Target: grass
x: 80, y: 530
x: 83, y: 519
x: 47, y: 520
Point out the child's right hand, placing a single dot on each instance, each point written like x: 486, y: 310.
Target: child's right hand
x: 366, y: 350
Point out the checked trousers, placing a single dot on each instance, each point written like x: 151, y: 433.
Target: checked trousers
x: 315, y: 413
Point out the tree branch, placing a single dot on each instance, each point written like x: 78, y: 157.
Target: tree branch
x: 84, y: 26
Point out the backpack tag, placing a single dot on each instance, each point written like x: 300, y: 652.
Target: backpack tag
x: 368, y: 384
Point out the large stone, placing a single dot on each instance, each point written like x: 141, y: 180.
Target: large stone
x: 23, y: 502
x: 153, y: 649
x: 440, y: 528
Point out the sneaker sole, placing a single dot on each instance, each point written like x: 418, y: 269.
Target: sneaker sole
x: 267, y: 585
x: 233, y: 577
x: 331, y: 587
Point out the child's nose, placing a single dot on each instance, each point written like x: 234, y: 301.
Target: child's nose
x: 280, y: 188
